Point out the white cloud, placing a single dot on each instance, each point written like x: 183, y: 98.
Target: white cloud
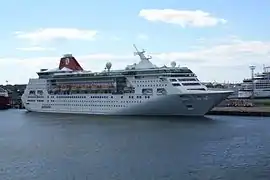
x: 224, y: 61
x: 236, y: 53
x: 142, y: 36
x: 48, y: 34
x: 35, y: 48
x: 183, y: 18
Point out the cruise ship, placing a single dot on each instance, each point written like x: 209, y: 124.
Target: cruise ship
x: 139, y: 89
x: 258, y: 86
x: 4, y: 99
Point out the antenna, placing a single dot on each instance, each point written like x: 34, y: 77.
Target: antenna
x: 141, y: 53
x: 135, y: 48
x: 252, y: 68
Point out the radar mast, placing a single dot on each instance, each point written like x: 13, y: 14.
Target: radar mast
x: 141, y: 54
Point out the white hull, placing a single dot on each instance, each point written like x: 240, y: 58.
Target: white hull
x: 197, y: 105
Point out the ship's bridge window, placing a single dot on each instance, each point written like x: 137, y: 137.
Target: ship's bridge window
x: 176, y: 84
x: 189, y: 79
x: 191, y: 84
x: 182, y: 75
x: 39, y: 92
x: 32, y: 92
x: 173, y: 80
x: 201, y: 89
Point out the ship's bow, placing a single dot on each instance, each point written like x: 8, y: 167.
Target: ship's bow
x: 190, y: 104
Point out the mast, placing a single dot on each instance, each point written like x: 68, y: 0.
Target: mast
x: 252, y: 68
x: 141, y: 54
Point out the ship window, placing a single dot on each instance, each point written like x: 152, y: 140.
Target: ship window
x: 161, y: 91
x: 176, y: 84
x: 190, y: 79
x: 189, y: 106
x: 202, y: 89
x: 147, y: 91
x: 191, y: 84
x: 173, y: 80
x: 32, y: 92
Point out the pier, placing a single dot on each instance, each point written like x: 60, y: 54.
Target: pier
x: 242, y: 107
x: 240, y: 111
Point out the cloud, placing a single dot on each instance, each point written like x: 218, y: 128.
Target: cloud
x: 142, y: 37
x: 228, y: 60
x: 183, y: 18
x: 236, y: 53
x: 49, y: 34
x: 36, y: 48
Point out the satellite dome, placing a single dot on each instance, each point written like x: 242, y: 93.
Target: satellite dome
x: 108, y: 65
x: 173, y: 64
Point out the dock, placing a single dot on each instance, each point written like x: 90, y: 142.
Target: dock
x: 243, y: 107
x: 240, y: 111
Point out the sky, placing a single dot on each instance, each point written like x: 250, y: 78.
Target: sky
x: 217, y: 40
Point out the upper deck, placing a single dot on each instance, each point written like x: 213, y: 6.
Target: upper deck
x: 70, y: 68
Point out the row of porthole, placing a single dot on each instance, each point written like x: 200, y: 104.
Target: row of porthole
x: 85, y: 101
x: 64, y: 97
x: 30, y: 100
x: 96, y: 105
x: 59, y: 97
x: 82, y: 101
x: 102, y: 101
x: 36, y: 97
x: 151, y: 85
x: 130, y: 97
x: 98, y: 101
x: 144, y: 81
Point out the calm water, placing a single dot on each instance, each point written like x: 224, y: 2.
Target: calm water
x: 67, y: 147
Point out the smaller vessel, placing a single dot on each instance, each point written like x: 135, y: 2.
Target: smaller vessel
x: 4, y: 99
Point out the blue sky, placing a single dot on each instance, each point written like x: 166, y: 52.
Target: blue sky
x: 218, y: 40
